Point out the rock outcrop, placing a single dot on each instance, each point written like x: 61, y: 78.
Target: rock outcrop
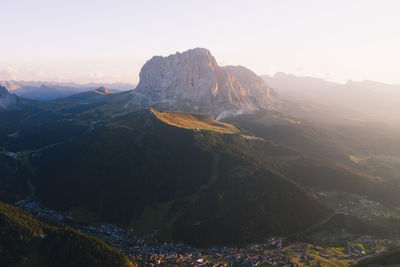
x: 11, y: 85
x: 103, y: 91
x: 192, y: 81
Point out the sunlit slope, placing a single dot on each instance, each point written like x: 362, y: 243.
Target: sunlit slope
x: 194, y: 121
x: 27, y: 241
x: 388, y: 258
x: 289, y: 131
x: 324, y: 162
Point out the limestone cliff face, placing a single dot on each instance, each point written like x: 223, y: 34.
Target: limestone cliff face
x: 192, y: 81
x: 7, y: 100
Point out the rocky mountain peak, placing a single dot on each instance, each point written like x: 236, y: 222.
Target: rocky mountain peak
x: 103, y: 91
x: 192, y: 81
x: 10, y: 85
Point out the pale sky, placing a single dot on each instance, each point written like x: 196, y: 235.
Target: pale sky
x: 109, y: 41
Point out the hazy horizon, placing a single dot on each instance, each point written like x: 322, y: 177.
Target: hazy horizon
x: 83, y: 83
x: 101, y: 41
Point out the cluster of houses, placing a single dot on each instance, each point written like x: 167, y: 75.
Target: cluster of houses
x: 275, y: 251
x: 179, y: 254
x: 47, y: 214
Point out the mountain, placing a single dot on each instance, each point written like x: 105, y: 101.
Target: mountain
x: 43, y: 91
x: 285, y: 83
x: 194, y: 179
x: 89, y: 96
x: 198, y: 180
x: 11, y: 85
x: 27, y: 241
x: 362, y: 116
x: 356, y: 101
x: 324, y: 162
x: 47, y: 91
x: 192, y: 81
x: 115, y: 87
x: 86, y: 98
x: 7, y: 100
x: 292, y: 132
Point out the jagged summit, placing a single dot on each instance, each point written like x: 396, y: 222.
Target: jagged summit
x: 10, y: 85
x: 192, y: 81
x: 103, y: 91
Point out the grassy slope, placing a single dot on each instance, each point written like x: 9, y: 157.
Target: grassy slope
x: 388, y: 258
x: 326, y: 163
x: 288, y: 131
x: 194, y: 122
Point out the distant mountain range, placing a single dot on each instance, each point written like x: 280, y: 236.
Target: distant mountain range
x: 46, y: 91
x: 366, y: 100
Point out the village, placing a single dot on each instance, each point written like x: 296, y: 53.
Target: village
x: 276, y: 251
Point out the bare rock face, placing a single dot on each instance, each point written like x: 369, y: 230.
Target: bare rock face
x: 7, y: 100
x: 11, y: 85
x: 192, y: 81
x: 103, y: 91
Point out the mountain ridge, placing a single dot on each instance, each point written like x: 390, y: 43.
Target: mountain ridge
x: 363, y: 101
x: 103, y: 91
x: 193, y: 174
x: 47, y: 90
